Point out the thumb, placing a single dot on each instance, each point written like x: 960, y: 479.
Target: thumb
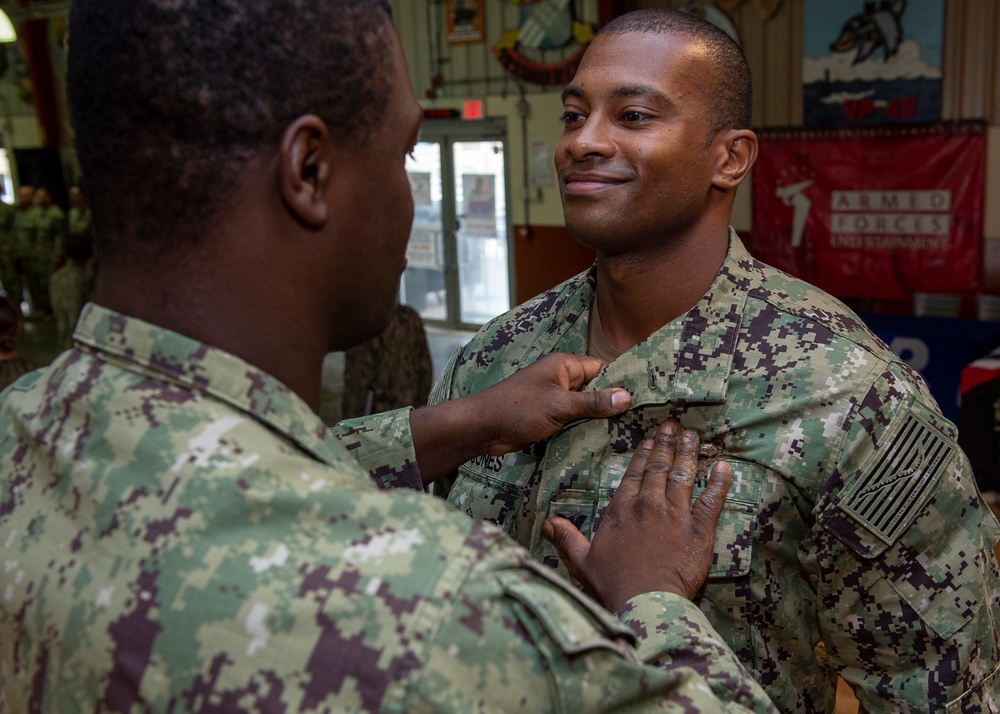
x: 570, y: 543
x: 708, y: 507
x: 597, y: 404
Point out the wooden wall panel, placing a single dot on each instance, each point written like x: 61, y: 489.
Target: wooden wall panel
x: 544, y: 256
x: 971, y: 76
x: 994, y: 60
x: 951, y: 60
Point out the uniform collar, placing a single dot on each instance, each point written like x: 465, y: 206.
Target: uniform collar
x: 687, y: 360
x: 143, y: 348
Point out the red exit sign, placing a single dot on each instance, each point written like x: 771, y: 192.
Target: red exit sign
x: 472, y: 109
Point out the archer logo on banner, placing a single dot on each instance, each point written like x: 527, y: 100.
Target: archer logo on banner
x: 873, y: 213
x: 793, y: 195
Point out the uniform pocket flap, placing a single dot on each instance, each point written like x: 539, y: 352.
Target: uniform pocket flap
x: 566, y: 616
x: 738, y: 521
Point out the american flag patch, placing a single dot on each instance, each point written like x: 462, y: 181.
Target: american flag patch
x: 896, y: 480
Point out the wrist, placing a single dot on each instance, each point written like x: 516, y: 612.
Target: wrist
x: 447, y: 435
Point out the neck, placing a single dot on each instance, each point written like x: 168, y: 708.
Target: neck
x: 639, y: 294
x: 264, y: 325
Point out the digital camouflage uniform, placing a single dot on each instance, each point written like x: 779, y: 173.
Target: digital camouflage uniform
x: 25, y: 236
x: 853, y: 532
x: 50, y: 237
x: 391, y: 371
x: 79, y: 224
x: 181, y: 533
x: 69, y: 288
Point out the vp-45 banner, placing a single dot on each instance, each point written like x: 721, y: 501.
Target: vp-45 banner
x: 877, y: 213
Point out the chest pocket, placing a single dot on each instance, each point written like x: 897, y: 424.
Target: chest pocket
x: 495, y: 489
x: 733, y: 536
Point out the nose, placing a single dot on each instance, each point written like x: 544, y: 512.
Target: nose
x: 590, y: 139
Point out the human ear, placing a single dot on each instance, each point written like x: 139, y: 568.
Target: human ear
x: 304, y: 169
x: 741, y: 152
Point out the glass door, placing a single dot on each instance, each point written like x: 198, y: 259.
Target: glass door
x: 423, y: 283
x: 458, y: 269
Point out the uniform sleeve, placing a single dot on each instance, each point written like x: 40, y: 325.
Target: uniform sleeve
x: 521, y: 640
x: 382, y: 444
x: 906, y: 576
x: 673, y: 632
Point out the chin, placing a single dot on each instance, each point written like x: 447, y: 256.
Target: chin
x: 358, y: 324
x: 592, y: 234
x: 378, y: 321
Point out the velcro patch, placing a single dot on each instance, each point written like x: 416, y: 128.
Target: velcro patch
x: 896, y: 480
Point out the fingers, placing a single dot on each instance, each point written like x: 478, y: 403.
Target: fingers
x: 568, y: 407
x: 572, y: 546
x: 589, y: 367
x: 708, y: 507
x: 577, y: 369
x: 570, y: 373
x: 635, y: 473
x: 661, y: 459
x: 682, y: 475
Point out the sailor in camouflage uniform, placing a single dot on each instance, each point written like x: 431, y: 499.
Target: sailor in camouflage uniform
x: 181, y: 533
x: 853, y: 538
x: 49, y: 236
x: 22, y: 243
x: 184, y: 534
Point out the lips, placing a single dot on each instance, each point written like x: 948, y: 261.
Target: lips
x: 588, y: 183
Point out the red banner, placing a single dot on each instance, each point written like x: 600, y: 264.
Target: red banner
x: 873, y: 213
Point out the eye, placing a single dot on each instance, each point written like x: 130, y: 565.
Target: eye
x: 570, y: 117
x: 634, y: 116
x: 410, y: 153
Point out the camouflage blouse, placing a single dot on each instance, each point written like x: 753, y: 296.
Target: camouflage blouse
x: 853, y: 538
x: 180, y: 533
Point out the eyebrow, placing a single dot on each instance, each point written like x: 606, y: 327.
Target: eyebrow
x: 624, y: 92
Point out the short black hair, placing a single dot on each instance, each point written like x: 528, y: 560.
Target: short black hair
x: 169, y: 100
x: 732, y: 102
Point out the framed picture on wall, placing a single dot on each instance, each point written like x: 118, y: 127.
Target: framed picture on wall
x: 872, y: 63
x: 463, y: 21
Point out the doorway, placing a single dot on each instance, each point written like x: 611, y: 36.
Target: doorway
x: 458, y: 271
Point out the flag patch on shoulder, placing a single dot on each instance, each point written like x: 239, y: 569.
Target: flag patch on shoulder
x: 897, y: 478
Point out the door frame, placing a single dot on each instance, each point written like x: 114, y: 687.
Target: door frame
x: 447, y: 132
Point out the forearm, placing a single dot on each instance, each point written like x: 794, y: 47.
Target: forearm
x: 391, y: 445
x: 538, y: 648
x: 447, y: 435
